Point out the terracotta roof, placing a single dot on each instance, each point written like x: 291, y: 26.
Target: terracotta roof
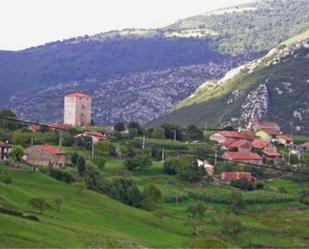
x: 272, y: 153
x: 236, y: 134
x: 230, y: 176
x: 284, y: 137
x: 260, y: 144
x: 35, y: 127
x: 77, y: 94
x: 48, y: 148
x: 239, y: 156
x: 237, y: 144
x: 59, y: 126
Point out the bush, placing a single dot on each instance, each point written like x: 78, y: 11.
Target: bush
x: 208, y: 242
x: 39, y: 203
x: 230, y: 224
x: 104, y: 149
x: 17, y: 153
x: 152, y: 196
x: 5, y: 177
x: 191, y: 171
x: 243, y: 184
x: 171, y: 164
x: 126, y: 191
x: 60, y: 175
x: 99, y: 162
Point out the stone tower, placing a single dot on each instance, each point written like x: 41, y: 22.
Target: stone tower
x: 77, y: 109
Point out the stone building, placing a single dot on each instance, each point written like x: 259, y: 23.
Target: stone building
x: 45, y: 156
x: 77, y: 109
x: 5, y: 149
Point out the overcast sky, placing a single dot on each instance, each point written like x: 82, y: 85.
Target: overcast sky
x: 25, y: 23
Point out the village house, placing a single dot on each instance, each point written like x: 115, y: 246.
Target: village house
x: 233, y: 176
x: 266, y: 130
x: 95, y: 136
x: 259, y: 145
x: 231, y: 136
x: 245, y: 158
x: 45, y: 156
x: 272, y: 156
x: 5, y: 149
x: 285, y: 140
x: 209, y: 168
x: 237, y: 146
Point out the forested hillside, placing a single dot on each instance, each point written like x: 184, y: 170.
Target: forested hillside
x: 230, y: 37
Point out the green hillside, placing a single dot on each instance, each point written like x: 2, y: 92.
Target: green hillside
x: 283, y: 76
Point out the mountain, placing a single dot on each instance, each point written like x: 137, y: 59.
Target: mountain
x: 274, y: 87
x: 109, y: 65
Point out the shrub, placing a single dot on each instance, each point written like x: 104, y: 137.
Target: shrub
x: 39, y: 203
x: 243, y: 184
x: 104, y: 149
x: 17, y: 153
x: 152, y: 195
x: 74, y: 158
x: 208, y: 242
x: 197, y: 210
x: 126, y: 191
x: 60, y: 175
x: 5, y: 177
x: 171, y: 164
x: 230, y: 224
x: 99, y: 162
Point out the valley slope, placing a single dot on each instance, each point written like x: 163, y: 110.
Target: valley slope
x: 274, y: 87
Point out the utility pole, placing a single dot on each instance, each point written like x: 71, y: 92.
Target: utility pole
x: 60, y: 138
x: 92, y: 149
x: 216, y: 155
x: 163, y: 154
x: 144, y: 141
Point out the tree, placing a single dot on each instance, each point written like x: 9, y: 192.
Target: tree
x: 191, y: 171
x: 136, y: 125
x: 194, y: 133
x: 74, y: 158
x: 125, y: 190
x: 158, y: 133
x: 172, y: 165
x: 243, y: 184
x: 119, y: 127
x: 17, y: 153
x: 152, y: 195
x: 81, y: 165
x: 6, y: 114
x: 39, y: 203
x: 58, y: 201
x: 83, y: 141
x: 197, y: 210
x: 171, y: 131
x: 133, y: 133
x: 104, y: 149
x: 237, y: 203
x: 140, y: 162
x: 230, y: 223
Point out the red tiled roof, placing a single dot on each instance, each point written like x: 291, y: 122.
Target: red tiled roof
x: 236, y: 144
x: 230, y: 176
x: 260, y: 144
x: 95, y: 134
x: 239, y: 135
x: 286, y: 138
x: 78, y: 94
x: 272, y: 153
x: 239, y: 156
x: 48, y: 148
x: 35, y: 127
x: 59, y: 126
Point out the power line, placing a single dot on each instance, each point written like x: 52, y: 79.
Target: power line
x: 32, y: 123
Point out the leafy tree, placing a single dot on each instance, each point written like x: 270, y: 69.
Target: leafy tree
x: 140, y: 162
x: 133, y: 133
x: 243, y: 184
x: 237, y: 203
x: 152, y: 195
x: 99, y: 162
x: 194, y: 133
x: 74, y: 158
x: 135, y: 125
x: 191, y: 171
x: 104, y: 149
x: 230, y: 223
x: 58, y: 201
x: 83, y: 141
x: 39, y: 203
x: 197, y: 210
x: 158, y: 133
x: 125, y: 190
x: 171, y: 130
x: 17, y: 153
x: 8, y: 124
x: 171, y: 165
x: 119, y: 127
x: 81, y: 165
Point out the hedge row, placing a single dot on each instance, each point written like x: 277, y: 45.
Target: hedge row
x: 18, y: 214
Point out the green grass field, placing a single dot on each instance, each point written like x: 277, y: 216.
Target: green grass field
x: 88, y: 219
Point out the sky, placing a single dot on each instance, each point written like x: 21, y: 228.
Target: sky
x: 26, y: 23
